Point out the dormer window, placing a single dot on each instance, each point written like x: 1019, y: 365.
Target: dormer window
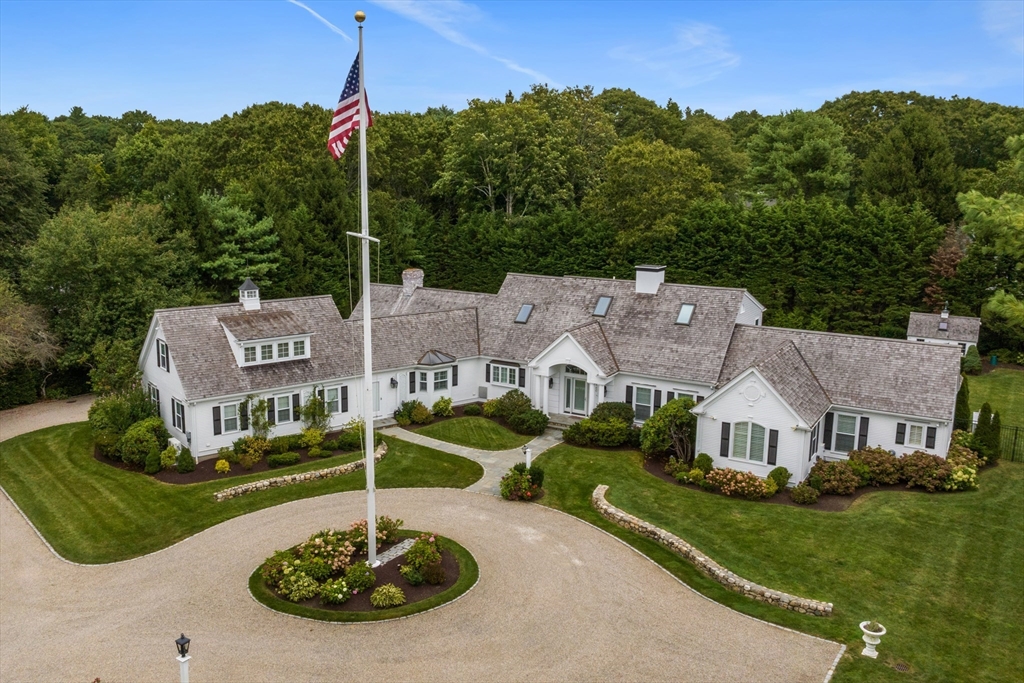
x: 601, y: 309
x: 267, y: 352
x: 685, y: 313
x: 524, y: 313
x: 282, y: 349
x: 250, y: 354
x: 299, y: 348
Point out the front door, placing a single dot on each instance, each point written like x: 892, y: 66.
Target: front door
x: 575, y: 396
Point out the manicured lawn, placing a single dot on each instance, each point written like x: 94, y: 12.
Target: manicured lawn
x: 1003, y: 389
x: 943, y: 573
x: 93, y: 513
x: 475, y: 432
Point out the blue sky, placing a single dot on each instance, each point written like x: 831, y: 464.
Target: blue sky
x: 199, y: 61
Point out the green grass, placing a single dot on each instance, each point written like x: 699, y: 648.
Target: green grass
x: 942, y: 572
x: 469, y: 572
x: 91, y: 512
x: 1003, y: 390
x: 475, y: 432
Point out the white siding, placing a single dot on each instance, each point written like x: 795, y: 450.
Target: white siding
x: 751, y: 311
x: 945, y: 342
x: 617, y: 387
x: 882, y: 433
x: 167, y: 383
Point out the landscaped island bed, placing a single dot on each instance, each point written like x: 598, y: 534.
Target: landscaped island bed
x: 474, y: 432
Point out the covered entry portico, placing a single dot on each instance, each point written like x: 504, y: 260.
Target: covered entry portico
x: 567, y: 380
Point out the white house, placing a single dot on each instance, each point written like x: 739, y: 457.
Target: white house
x: 943, y: 328
x: 766, y: 396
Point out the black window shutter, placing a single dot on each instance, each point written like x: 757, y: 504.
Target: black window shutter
x: 243, y: 415
x: 487, y: 372
x: 828, y: 430
x: 344, y: 399
x: 455, y: 375
x: 320, y: 393
x: 724, y: 452
x: 901, y: 433
x: 773, y: 445
x: 412, y: 382
x: 216, y: 420
x: 157, y: 392
x: 629, y: 394
x: 862, y: 439
x: 295, y: 406
x: 271, y: 413
x: 657, y: 398
x: 183, y: 420
x: 522, y: 377
x: 810, y: 448
x: 699, y: 399
x: 929, y: 439
x: 670, y: 396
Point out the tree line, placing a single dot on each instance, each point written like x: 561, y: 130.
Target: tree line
x: 846, y: 218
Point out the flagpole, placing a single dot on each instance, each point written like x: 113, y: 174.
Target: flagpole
x: 371, y: 488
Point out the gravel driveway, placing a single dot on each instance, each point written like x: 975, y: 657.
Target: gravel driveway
x: 24, y: 419
x: 557, y: 600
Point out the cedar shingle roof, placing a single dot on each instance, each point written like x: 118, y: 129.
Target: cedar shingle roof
x: 890, y: 375
x: 793, y: 379
x: 388, y: 300
x: 591, y: 338
x: 961, y: 328
x: 264, y: 324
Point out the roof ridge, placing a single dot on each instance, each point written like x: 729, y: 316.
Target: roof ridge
x: 608, y: 344
x: 612, y: 279
x: 784, y: 346
x: 826, y: 333
x: 410, y: 315
x: 239, y: 303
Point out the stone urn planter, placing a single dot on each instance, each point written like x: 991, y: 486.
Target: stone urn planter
x: 872, y: 637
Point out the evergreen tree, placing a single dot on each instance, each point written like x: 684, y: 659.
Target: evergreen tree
x: 971, y: 363
x: 994, y: 437
x: 962, y: 418
x: 982, y: 438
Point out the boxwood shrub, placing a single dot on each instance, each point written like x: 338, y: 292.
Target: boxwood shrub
x: 472, y: 409
x: 282, y: 460
x: 530, y: 421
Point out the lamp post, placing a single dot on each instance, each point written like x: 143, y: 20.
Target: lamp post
x: 528, y: 454
x: 183, y: 656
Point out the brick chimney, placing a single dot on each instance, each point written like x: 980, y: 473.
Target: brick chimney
x: 411, y: 279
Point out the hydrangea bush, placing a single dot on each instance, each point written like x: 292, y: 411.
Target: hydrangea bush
x: 735, y: 483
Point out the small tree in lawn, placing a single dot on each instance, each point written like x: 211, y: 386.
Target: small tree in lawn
x: 673, y: 427
x: 962, y: 416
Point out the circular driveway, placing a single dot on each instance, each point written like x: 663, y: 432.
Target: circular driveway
x: 557, y: 600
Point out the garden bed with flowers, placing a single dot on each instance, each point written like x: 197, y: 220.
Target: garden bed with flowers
x: 327, y: 578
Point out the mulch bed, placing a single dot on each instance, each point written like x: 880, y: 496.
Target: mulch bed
x: 388, y: 573
x: 826, y: 502
x: 205, y: 468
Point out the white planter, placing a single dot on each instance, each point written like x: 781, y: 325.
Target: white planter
x: 871, y: 639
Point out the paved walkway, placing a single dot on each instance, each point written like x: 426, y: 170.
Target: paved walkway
x: 24, y: 419
x: 496, y: 463
x: 558, y: 600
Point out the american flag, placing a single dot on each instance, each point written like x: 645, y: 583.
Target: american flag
x: 346, y: 114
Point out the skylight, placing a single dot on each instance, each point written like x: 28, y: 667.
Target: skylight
x: 943, y: 325
x: 524, y: 313
x: 603, y: 303
x: 685, y: 313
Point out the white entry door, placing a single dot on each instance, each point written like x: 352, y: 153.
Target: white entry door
x: 575, y: 396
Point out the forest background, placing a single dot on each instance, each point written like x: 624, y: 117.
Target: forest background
x: 846, y: 218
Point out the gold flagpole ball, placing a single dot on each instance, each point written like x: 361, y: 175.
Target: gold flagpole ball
x: 360, y: 16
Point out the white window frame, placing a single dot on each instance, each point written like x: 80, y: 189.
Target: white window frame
x: 224, y: 418
x: 266, y: 357
x: 278, y: 409
x: 178, y: 415
x: 649, y: 405
x: 684, y: 393
x: 163, y: 356
x: 245, y: 354
x: 604, y: 302
x: 853, y: 435
x: 336, y: 401
x: 299, y: 348
x: 283, y: 349
x: 920, y: 434
x: 505, y: 375
x: 422, y: 379
x: 441, y: 380
x: 685, y: 314
x: 748, y: 441
x: 815, y: 433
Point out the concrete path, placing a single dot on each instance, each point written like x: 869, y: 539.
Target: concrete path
x: 558, y: 600
x: 24, y: 419
x: 496, y: 463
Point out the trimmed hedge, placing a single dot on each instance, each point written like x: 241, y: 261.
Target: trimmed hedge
x: 282, y: 460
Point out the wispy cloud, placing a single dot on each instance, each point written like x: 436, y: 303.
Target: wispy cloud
x: 699, y: 53
x: 1004, y: 21
x: 322, y: 20
x: 441, y: 16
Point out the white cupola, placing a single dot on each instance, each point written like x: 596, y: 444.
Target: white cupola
x: 249, y: 295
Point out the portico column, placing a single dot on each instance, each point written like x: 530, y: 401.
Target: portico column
x: 544, y: 393
x: 594, y: 389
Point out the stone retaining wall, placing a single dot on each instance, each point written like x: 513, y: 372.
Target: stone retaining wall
x: 289, y: 479
x: 705, y: 563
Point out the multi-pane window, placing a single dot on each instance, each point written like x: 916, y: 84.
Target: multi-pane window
x: 423, y: 381
x: 748, y: 441
x: 642, y: 403
x: 154, y: 397
x: 284, y: 409
x: 282, y: 349
x: 250, y: 354
x: 502, y: 374
x: 299, y: 348
x: 162, y: 357
x: 267, y: 352
x: 230, y: 417
x: 916, y: 435
x: 846, y: 433
x: 332, y: 400
x: 178, y: 414
x: 441, y: 380
x: 814, y: 442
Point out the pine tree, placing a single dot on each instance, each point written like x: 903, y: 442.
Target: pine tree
x: 982, y: 440
x: 962, y: 417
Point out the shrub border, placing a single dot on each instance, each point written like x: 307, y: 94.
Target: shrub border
x: 704, y: 563
x: 469, y: 577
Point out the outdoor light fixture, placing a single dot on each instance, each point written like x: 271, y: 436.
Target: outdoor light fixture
x: 183, y: 657
x: 394, y: 383
x: 182, y: 644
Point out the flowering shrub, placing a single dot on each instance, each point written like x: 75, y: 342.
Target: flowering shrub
x: 442, y: 407
x: 222, y: 467
x: 388, y: 595
x: 695, y: 476
x: 963, y: 478
x: 410, y: 574
x: 423, y: 551
x: 360, y: 577
x: 334, y: 592
x: 836, y: 477
x: 253, y: 450
x: 299, y: 586
x: 311, y: 438
x: 802, y: 494
x: 386, y: 531
x: 330, y: 545
x: 962, y: 437
x: 862, y: 472
x: 928, y: 471
x: 961, y: 455
x: 273, y: 569
x: 683, y: 476
x: 735, y: 483
x: 704, y: 463
x: 516, y: 486
x: 883, y: 466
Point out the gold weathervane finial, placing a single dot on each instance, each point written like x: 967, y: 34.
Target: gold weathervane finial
x: 360, y: 16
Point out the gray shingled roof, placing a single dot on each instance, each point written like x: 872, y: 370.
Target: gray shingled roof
x: 248, y: 286
x: 591, y: 338
x: 264, y: 324
x: 402, y: 340
x: 961, y: 328
x: 788, y: 372
x: 902, y: 377
x: 389, y: 300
